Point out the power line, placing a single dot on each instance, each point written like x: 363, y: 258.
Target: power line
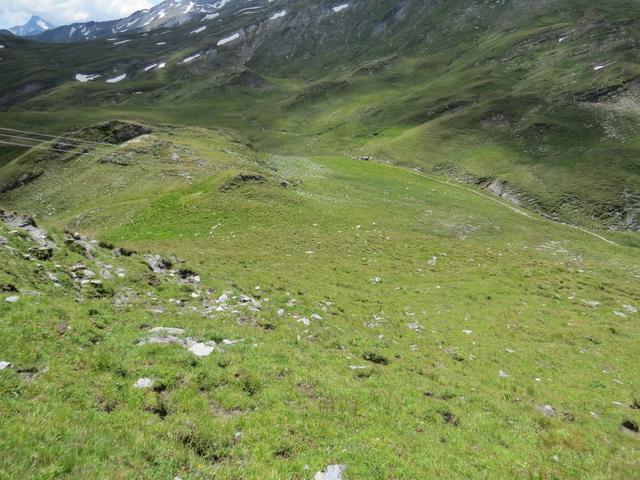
x: 56, y: 136
x: 11, y: 136
x: 16, y: 144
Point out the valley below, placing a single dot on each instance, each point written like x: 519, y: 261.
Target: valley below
x: 324, y: 240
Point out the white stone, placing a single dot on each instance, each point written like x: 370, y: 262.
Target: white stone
x: 166, y: 331
x: 143, y: 383
x: 201, y: 349
x: 333, y: 472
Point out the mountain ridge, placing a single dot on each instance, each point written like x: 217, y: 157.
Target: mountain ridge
x: 168, y: 14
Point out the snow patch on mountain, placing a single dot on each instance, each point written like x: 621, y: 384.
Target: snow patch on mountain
x: 117, y: 79
x: 230, y: 39
x: 191, y: 58
x: 84, y: 78
x: 275, y: 16
x: 189, y: 7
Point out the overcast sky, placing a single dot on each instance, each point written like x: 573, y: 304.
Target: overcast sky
x: 62, y: 12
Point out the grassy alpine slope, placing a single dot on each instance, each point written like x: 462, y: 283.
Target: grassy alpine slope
x: 228, y: 290
x: 362, y: 314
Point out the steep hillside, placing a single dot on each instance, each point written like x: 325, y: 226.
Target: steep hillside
x: 339, y: 240
x: 217, y: 311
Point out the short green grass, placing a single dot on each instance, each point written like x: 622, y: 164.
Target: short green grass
x: 371, y: 249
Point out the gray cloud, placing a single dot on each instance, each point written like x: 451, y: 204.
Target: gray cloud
x: 62, y: 12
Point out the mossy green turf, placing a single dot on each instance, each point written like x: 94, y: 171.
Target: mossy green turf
x: 370, y: 248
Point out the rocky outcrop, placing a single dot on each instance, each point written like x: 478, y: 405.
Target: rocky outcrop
x: 114, y: 131
x: 23, y: 179
x: 499, y: 188
x: 44, y: 246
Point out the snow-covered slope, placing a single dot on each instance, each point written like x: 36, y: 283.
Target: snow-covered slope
x: 167, y: 14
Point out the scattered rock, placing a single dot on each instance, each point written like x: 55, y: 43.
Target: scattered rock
x: 450, y: 418
x: 170, y: 336
x: 4, y: 365
x: 375, y: 280
x: 80, y: 243
x: 630, y: 426
x: 143, y: 383
x: 163, y: 340
x: 333, y: 472
x: 158, y: 264
x: 186, y: 275
x: 62, y: 328
x: 166, y: 331
x: 8, y: 287
x: 12, y: 299
x: 124, y: 252
x: 546, y: 410
x: 503, y: 374
x: 454, y: 354
x: 202, y: 349
x: 29, y: 374
x: 416, y: 327
x: 591, y: 303
x: 375, y: 358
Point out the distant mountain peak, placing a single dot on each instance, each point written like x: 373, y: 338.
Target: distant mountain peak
x: 34, y: 26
